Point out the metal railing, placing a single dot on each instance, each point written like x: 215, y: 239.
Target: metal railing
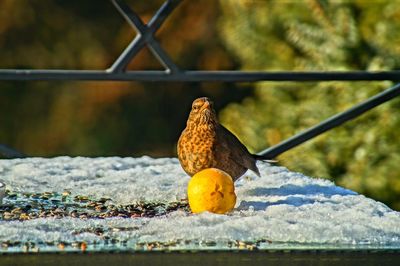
x: 145, y: 37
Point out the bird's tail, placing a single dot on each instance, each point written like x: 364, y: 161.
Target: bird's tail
x: 264, y: 158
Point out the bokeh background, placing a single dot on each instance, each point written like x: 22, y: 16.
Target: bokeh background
x: 132, y: 119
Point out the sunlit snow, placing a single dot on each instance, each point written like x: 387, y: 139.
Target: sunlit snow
x: 280, y: 209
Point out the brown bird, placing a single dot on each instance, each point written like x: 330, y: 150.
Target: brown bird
x: 205, y: 143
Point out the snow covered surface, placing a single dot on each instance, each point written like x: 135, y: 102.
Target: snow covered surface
x: 280, y: 209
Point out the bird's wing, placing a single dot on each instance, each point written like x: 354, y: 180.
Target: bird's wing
x: 231, y: 146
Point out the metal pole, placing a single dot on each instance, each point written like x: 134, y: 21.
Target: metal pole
x: 193, y: 76
x: 9, y: 153
x: 332, y: 122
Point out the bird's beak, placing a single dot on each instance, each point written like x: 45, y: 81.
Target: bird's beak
x: 207, y: 104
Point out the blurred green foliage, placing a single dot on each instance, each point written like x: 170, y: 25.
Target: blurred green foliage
x: 364, y: 154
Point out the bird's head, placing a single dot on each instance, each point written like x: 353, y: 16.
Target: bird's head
x: 202, y: 112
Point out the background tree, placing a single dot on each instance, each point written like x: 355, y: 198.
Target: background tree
x: 362, y: 155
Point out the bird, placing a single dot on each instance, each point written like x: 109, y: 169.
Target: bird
x: 205, y: 143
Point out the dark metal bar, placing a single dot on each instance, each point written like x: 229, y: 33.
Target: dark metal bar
x: 131, y: 17
x: 133, y: 48
x: 9, y: 153
x: 145, y: 36
x: 332, y: 122
x: 161, y: 15
x: 126, y: 56
x: 162, y: 56
x: 195, y: 76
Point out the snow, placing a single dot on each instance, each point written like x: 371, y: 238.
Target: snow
x: 280, y: 209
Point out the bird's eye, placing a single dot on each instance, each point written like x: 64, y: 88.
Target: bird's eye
x: 196, y: 108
